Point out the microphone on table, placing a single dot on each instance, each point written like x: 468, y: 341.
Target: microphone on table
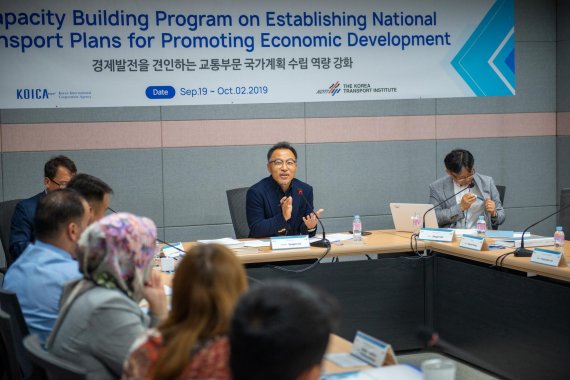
x: 522, y: 251
x: 157, y: 239
x: 323, y: 243
x: 470, y: 186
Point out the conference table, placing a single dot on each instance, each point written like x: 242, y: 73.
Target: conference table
x: 512, y: 321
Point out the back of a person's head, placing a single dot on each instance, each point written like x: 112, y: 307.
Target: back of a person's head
x: 279, y: 331
x: 91, y: 187
x: 55, y: 211
x: 50, y: 167
x: 206, y: 286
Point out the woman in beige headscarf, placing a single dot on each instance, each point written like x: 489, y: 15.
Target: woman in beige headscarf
x: 100, y: 317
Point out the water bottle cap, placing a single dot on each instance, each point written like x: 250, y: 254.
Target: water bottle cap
x: 481, y: 217
x: 357, y: 216
x: 558, y: 228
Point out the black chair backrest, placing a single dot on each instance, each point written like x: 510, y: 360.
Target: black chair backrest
x: 53, y: 367
x: 236, y: 202
x: 564, y: 216
x: 10, y: 349
x: 502, y: 189
x: 6, y: 212
x: 10, y: 304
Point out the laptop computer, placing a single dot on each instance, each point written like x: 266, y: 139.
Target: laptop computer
x: 402, y: 215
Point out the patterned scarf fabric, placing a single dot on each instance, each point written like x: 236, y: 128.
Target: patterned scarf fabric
x: 116, y: 252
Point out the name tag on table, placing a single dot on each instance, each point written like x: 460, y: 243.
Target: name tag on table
x: 548, y: 257
x: 173, y: 250
x: 372, y: 351
x: 476, y: 243
x: 436, y: 234
x: 290, y: 242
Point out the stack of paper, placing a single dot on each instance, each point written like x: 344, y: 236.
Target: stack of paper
x: 393, y: 372
x: 529, y: 240
x: 228, y: 242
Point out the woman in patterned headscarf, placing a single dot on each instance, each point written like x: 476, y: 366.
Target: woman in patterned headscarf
x: 100, y: 317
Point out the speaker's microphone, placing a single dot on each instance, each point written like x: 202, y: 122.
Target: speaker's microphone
x: 157, y: 239
x: 522, y: 251
x: 323, y: 243
x: 433, y: 340
x: 470, y: 186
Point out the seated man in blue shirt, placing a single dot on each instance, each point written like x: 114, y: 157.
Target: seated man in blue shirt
x: 281, y: 204
x: 58, y: 171
x: 38, y: 276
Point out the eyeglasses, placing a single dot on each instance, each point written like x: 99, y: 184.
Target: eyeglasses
x: 462, y: 178
x: 61, y: 185
x: 288, y: 163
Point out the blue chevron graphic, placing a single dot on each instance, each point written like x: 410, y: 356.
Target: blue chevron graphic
x: 486, y: 61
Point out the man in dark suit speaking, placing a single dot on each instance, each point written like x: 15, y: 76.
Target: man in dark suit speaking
x: 281, y: 204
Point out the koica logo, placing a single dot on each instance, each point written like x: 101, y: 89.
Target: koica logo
x: 32, y: 93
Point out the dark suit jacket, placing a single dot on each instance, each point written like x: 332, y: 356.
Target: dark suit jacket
x: 264, y: 215
x: 22, y: 228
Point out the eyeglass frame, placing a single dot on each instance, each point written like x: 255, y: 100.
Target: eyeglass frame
x: 61, y: 185
x: 290, y: 163
x: 462, y: 178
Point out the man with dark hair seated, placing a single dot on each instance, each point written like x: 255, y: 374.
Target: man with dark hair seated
x: 476, y: 196
x: 95, y: 191
x: 280, y: 204
x: 38, y: 276
x: 280, y: 331
x: 58, y: 171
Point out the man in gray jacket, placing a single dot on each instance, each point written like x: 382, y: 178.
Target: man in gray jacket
x: 477, y: 194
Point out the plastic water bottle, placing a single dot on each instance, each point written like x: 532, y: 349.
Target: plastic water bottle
x: 416, y: 222
x: 559, y: 239
x: 356, y: 228
x: 481, y: 225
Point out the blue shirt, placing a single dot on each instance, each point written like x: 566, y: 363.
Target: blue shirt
x: 264, y: 215
x: 37, y: 278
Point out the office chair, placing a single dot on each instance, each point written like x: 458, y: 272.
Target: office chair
x: 6, y: 212
x: 501, y: 189
x: 15, y: 362
x: 9, y: 304
x: 564, y: 216
x: 236, y: 202
x: 53, y: 367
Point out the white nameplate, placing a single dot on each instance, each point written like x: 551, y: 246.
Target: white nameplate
x: 290, y: 242
x: 476, y: 243
x: 548, y: 257
x: 173, y: 250
x: 372, y: 351
x: 436, y: 234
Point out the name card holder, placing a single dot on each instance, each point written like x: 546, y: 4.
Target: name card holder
x: 167, y: 264
x: 548, y: 257
x: 476, y: 243
x: 436, y: 234
x: 373, y: 351
x: 290, y: 242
